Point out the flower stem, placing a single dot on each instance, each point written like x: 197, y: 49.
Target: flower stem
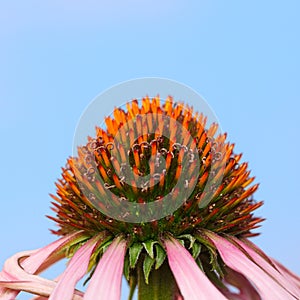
x: 161, y: 286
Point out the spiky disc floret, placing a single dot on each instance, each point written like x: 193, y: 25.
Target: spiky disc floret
x: 89, y: 180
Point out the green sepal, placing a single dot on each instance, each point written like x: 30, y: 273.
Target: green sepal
x: 134, y: 253
x: 160, y: 256
x: 126, y: 268
x: 206, y: 242
x: 213, y: 261
x: 70, y: 251
x: 216, y: 276
x: 213, y: 258
x: 181, y: 242
x: 219, y: 266
x: 147, y: 266
x: 148, y: 245
x: 132, y: 284
x: 188, y: 237
x: 90, y: 275
x: 200, y: 265
x: 75, y: 245
x: 213, y: 254
x: 196, y: 249
x: 99, y: 249
x: 106, y: 245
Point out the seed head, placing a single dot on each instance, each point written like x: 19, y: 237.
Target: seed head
x: 139, y: 159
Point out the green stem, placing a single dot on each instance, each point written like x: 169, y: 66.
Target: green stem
x: 162, y: 284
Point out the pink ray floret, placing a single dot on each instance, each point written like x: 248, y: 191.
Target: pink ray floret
x: 107, y: 278
x: 234, y: 258
x: 192, y: 282
x: 76, y: 269
x: 19, y: 271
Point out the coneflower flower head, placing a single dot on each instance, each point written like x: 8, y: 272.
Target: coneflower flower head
x: 156, y: 169
x: 162, y: 198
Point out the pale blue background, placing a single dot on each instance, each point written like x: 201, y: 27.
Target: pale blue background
x: 55, y: 56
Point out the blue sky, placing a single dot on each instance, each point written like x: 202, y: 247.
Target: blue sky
x: 56, y: 56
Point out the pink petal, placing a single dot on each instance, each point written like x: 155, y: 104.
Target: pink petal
x: 238, y: 261
x: 75, y: 271
x: 192, y: 282
x: 106, y: 281
x: 22, y: 281
x: 287, y: 273
x: 40, y: 257
x: 5, y: 293
x: 282, y: 280
x: 39, y: 286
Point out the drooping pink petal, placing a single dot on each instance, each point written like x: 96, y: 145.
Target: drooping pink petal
x: 76, y: 269
x: 39, y: 286
x: 238, y: 261
x: 5, y: 293
x: 34, y: 262
x: 8, y: 294
x: 23, y: 281
x: 106, y: 280
x: 192, y: 282
x: 37, y: 260
x: 259, y: 260
x: 286, y: 272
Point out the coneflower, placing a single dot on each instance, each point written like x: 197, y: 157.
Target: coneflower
x: 157, y: 197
